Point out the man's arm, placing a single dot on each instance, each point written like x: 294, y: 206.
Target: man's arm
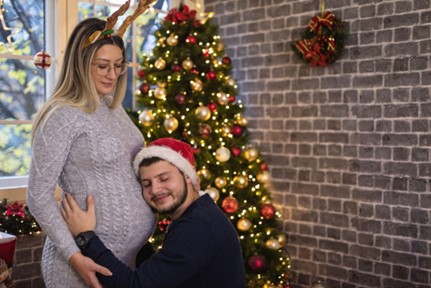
x: 79, y: 221
x: 85, y: 266
x: 186, y: 250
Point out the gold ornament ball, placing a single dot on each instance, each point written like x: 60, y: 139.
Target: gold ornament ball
x: 213, y: 192
x: 220, y: 182
x: 230, y: 81
x: 281, y: 239
x: 251, y: 154
x: 146, y: 118
x: 241, y: 120
x: 196, y: 85
x: 160, y: 93
x: 161, y: 84
x: 171, y: 124
x: 267, y: 285
x: 240, y: 181
x: 204, y: 173
x: 225, y: 131
x: 222, y: 98
x: 273, y: 244
x: 187, y: 64
x: 172, y: 40
x: 160, y: 63
x: 203, y: 113
x: 222, y: 154
x: 243, y: 224
x: 161, y: 41
x: 263, y: 177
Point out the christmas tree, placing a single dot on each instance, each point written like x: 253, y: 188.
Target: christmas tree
x: 187, y: 92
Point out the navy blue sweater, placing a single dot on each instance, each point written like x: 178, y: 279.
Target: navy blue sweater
x: 200, y: 250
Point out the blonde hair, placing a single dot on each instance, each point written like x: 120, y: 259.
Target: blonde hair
x: 74, y: 86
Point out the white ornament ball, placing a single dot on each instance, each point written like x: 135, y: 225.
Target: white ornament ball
x: 222, y: 154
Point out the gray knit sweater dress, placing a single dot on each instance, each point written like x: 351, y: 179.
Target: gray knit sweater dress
x: 88, y: 153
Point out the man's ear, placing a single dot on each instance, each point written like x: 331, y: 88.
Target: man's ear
x: 188, y: 180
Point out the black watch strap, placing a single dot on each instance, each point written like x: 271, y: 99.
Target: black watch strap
x: 83, y: 238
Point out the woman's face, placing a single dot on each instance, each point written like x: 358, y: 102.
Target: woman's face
x: 106, y: 67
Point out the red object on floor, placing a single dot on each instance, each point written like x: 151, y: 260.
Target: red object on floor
x: 7, y: 251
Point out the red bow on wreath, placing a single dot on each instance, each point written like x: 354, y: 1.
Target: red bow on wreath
x: 327, y: 19
x: 312, y: 53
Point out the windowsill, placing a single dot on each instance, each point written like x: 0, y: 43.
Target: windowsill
x: 13, y: 188
x: 13, y: 194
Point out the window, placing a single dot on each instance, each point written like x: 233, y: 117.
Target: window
x: 28, y: 27
x: 23, y: 86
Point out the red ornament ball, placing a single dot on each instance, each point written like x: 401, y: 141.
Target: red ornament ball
x: 231, y: 99
x: 206, y: 53
x: 191, y: 39
x: 257, y: 263
x: 176, y: 67
x: 194, y: 71
x: 196, y: 23
x: 212, y: 106
x: 236, y: 151
x: 267, y: 211
x: 229, y: 204
x: 144, y: 88
x: 163, y: 224
x: 205, y: 130
x: 42, y: 60
x: 196, y: 150
x: 141, y: 74
x: 226, y: 60
x: 264, y: 166
x: 237, y: 130
x: 211, y: 75
x: 180, y: 99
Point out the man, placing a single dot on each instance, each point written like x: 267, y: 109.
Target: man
x: 201, y: 248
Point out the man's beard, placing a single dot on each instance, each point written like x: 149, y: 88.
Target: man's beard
x: 170, y: 210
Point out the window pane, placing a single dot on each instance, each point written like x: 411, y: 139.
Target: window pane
x: 24, y: 30
x: 85, y: 11
x: 15, y: 149
x: 22, y: 89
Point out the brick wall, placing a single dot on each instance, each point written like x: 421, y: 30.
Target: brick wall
x: 26, y: 271
x: 348, y: 145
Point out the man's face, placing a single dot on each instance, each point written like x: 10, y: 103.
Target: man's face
x: 164, y: 187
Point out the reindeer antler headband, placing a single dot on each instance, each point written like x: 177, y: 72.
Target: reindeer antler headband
x: 112, y: 20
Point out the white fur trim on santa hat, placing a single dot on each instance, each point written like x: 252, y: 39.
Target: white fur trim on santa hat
x: 169, y: 155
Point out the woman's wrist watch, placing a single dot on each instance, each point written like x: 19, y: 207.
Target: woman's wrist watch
x: 83, y: 238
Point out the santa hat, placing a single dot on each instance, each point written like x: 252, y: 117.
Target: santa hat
x: 176, y: 152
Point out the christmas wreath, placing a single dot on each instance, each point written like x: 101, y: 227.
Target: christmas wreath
x: 322, y: 41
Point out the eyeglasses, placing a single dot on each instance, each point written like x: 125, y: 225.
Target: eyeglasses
x: 104, y: 69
